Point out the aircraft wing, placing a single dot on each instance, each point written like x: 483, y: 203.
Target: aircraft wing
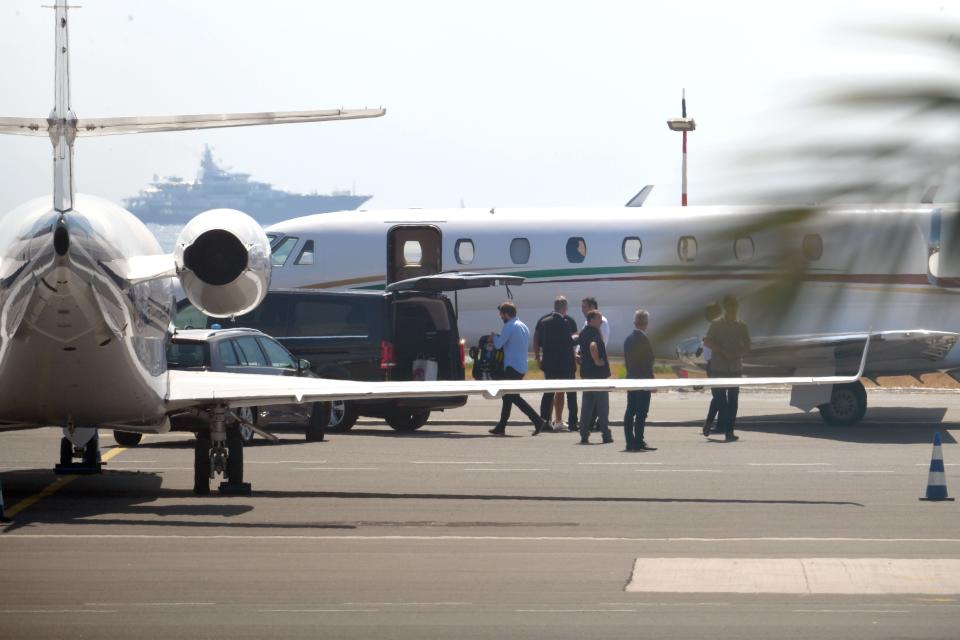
x: 24, y: 126
x: 144, y: 124
x: 196, y: 388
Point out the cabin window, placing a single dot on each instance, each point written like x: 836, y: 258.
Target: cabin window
x: 412, y: 253
x: 743, y: 249
x: 631, y: 249
x: 576, y: 249
x: 463, y: 251
x: 687, y: 249
x: 282, y: 251
x: 306, y: 254
x: 812, y: 246
x: 520, y: 250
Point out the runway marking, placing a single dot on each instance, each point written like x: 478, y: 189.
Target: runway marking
x: 138, y: 468
x: 150, y: 604
x: 406, y: 604
x: 358, y: 538
x: 624, y: 463
x: 946, y: 464
x: 681, y: 470
x: 318, y: 610
x: 789, y: 464
x: 850, y: 611
x: 449, y: 462
x: 796, y: 575
x: 850, y: 471
x: 336, y: 468
x: 498, y: 470
x: 575, y: 610
x: 56, y: 485
x: 45, y: 611
x: 285, y: 461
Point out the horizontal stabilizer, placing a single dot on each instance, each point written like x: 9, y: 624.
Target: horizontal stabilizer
x: 24, y: 126
x: 145, y: 124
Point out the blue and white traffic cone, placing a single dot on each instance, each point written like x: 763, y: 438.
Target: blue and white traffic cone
x: 937, y: 482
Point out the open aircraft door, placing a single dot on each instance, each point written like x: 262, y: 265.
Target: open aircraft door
x: 943, y: 263
x: 413, y: 251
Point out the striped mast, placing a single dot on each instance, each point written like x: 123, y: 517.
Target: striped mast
x: 683, y: 124
x: 683, y: 114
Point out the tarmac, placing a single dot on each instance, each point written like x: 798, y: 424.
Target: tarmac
x: 798, y: 530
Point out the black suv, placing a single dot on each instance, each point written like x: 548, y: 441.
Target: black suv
x: 368, y: 335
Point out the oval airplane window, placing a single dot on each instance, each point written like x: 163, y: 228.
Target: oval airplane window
x: 812, y: 246
x: 631, y: 249
x: 463, y: 251
x: 520, y: 250
x: 687, y: 249
x: 412, y: 253
x: 576, y: 249
x: 743, y: 249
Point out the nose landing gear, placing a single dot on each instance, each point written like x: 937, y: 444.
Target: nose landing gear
x: 81, y: 443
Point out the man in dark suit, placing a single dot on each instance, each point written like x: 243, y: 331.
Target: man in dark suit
x: 638, y: 356
x: 554, y: 341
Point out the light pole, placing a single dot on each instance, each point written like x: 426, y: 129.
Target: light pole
x: 683, y: 124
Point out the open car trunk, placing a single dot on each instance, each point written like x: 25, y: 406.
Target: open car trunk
x: 426, y: 340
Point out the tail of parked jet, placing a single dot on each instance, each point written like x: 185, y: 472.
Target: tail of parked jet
x: 63, y: 126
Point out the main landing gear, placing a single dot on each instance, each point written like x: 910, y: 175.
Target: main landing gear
x: 81, y: 443
x: 219, y: 451
x: 848, y: 403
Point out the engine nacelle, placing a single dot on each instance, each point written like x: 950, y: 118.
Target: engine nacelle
x: 223, y: 261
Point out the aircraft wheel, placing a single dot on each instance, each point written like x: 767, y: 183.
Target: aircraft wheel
x: 201, y: 465
x: 235, y: 455
x: 91, y: 452
x: 848, y: 404
x: 66, y: 451
x: 247, y: 414
x: 404, y: 421
x: 319, y: 419
x: 127, y: 438
x: 343, y: 415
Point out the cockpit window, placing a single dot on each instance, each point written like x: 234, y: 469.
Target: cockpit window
x: 306, y: 254
x: 282, y: 251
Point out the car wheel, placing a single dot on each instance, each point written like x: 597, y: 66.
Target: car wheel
x: 127, y: 438
x: 343, y: 415
x: 247, y: 415
x: 319, y: 419
x: 405, y: 421
x: 848, y: 404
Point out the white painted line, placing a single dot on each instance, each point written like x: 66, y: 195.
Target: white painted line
x: 499, y: 470
x: 575, y: 610
x: 618, y: 463
x: 796, y: 575
x: 336, y: 468
x: 126, y: 467
x: 286, y: 461
x: 946, y: 464
x: 405, y: 604
x: 449, y: 462
x: 319, y: 610
x: 850, y: 611
x: 680, y: 470
x: 58, y: 611
x: 8, y: 537
x: 789, y: 464
x: 851, y: 471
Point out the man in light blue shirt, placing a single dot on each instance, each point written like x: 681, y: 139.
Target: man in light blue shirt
x: 515, y: 342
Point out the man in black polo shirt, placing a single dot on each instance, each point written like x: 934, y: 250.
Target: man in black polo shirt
x: 554, y: 343
x: 594, y: 365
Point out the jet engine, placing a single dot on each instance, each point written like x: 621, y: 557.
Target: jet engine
x: 223, y: 261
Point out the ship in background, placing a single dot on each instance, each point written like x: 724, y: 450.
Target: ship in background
x: 174, y: 201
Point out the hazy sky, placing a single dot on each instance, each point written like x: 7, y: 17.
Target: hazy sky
x: 493, y: 103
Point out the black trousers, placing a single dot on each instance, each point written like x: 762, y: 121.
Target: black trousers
x: 635, y: 419
x: 729, y: 403
x: 546, y: 402
x: 514, y: 399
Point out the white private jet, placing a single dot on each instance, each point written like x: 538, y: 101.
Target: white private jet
x: 810, y: 280
x: 86, y: 298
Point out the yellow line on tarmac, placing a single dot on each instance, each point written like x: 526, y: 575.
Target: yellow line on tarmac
x: 56, y: 485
